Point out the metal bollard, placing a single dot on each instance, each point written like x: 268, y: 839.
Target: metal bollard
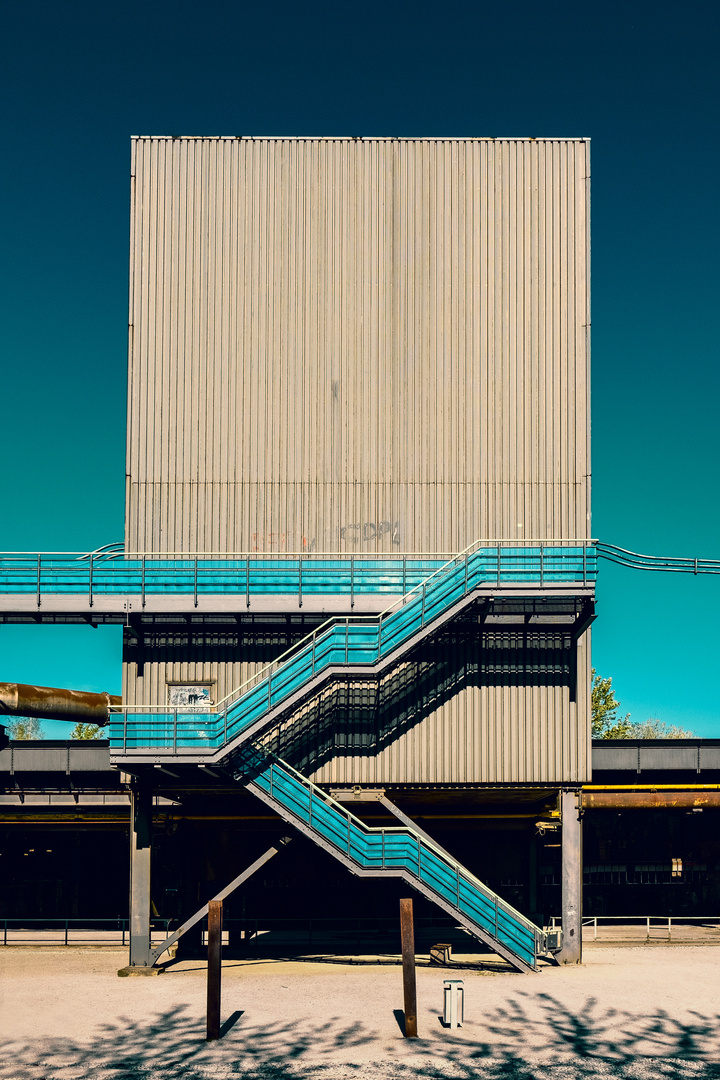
x: 453, y: 1003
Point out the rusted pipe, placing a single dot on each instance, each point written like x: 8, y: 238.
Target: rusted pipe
x: 662, y: 800
x: 51, y: 703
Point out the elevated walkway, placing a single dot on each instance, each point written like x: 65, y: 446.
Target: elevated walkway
x: 110, y: 585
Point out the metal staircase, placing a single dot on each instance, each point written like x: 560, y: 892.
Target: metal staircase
x: 355, y: 645
x: 364, y: 646
x: 392, y: 852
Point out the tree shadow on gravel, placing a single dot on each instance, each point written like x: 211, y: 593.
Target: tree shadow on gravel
x: 529, y: 1037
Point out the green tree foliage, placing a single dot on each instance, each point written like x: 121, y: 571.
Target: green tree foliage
x: 658, y: 729
x: 21, y: 728
x: 87, y: 731
x: 606, y: 724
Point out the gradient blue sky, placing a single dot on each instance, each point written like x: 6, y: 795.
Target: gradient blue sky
x: 639, y: 78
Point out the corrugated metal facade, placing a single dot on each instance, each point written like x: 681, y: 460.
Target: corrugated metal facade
x: 367, y: 344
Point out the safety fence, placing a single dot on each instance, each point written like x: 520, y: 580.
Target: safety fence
x: 249, y: 936
x: 648, y: 928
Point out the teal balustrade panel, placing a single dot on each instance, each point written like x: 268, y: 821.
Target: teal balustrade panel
x: 115, y: 574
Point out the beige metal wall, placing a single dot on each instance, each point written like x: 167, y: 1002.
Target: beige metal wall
x: 428, y: 724
x: 367, y: 344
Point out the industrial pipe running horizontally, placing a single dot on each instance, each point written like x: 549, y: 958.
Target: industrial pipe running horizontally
x: 51, y: 703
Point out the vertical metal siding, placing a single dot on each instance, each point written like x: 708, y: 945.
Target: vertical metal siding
x: 356, y: 344
x: 449, y: 719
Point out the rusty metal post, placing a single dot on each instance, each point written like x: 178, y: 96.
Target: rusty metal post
x: 407, y: 934
x: 215, y: 920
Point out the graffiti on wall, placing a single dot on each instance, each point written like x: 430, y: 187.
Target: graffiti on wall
x: 353, y: 536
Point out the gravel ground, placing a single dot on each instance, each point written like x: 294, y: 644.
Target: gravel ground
x: 641, y: 1013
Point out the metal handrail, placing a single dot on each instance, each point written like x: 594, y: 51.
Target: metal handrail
x: 118, y: 549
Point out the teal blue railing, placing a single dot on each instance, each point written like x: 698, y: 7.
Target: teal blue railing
x: 342, y: 642
x: 111, y: 572
x: 397, y: 850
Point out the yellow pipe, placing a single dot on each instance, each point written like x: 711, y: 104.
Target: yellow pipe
x: 651, y: 787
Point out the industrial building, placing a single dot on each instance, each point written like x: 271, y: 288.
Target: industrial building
x: 357, y: 579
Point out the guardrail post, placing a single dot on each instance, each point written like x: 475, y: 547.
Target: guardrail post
x: 584, y: 564
x: 404, y: 585
x: 498, y: 565
x: 142, y: 583
x: 347, y: 636
x: 542, y: 567
x: 352, y: 581
x: 422, y: 613
x: 196, y: 573
x: 38, y: 580
x: 300, y: 565
x: 90, y: 583
x: 247, y: 582
x: 175, y: 732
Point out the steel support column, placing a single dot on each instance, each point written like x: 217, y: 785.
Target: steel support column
x: 571, y: 952
x: 140, y: 860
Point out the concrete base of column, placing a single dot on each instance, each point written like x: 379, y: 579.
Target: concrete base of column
x: 140, y: 969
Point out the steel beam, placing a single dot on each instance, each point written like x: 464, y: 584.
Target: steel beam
x: 218, y: 898
x: 140, y: 867
x: 570, y: 812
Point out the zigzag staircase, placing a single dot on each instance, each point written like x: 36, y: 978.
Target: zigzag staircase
x: 346, y: 646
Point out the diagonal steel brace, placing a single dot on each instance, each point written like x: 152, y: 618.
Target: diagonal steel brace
x: 157, y: 952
